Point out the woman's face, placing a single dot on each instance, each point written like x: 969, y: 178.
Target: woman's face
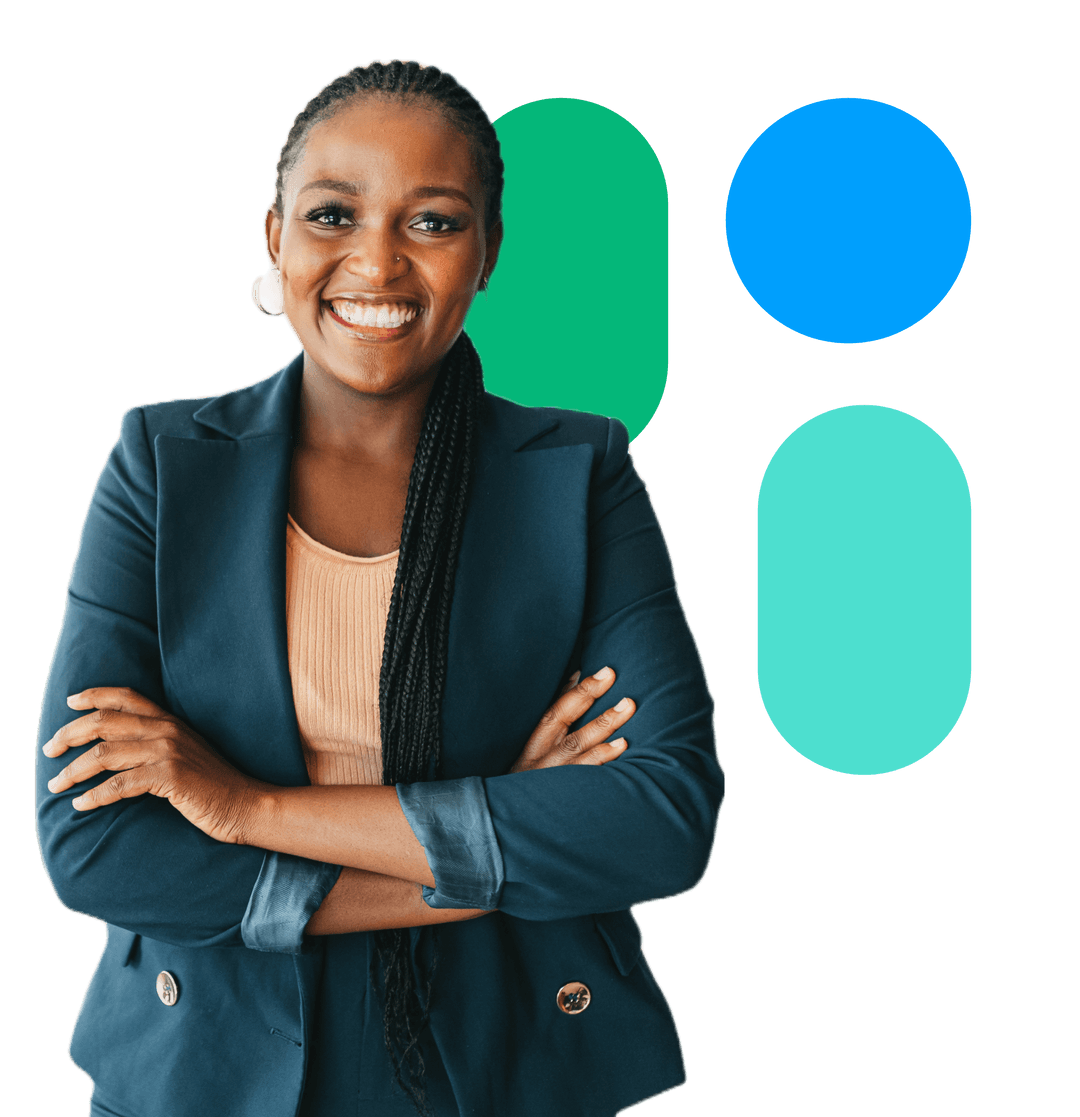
x: 381, y: 243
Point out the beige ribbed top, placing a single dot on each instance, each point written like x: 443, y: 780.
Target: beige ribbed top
x: 335, y: 608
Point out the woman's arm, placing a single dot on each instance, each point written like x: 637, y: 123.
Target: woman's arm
x: 364, y: 827
x: 630, y: 831
x: 363, y: 901
x: 602, y: 839
x: 137, y: 864
x: 599, y: 838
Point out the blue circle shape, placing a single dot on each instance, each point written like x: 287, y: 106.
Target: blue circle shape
x: 848, y: 220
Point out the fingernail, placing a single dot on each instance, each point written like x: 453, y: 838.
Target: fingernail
x: 574, y: 678
x: 71, y: 698
x: 77, y: 802
x: 618, y: 743
x: 604, y: 674
x: 622, y: 704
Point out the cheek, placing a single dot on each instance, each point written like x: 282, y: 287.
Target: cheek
x: 455, y: 278
x: 453, y: 309
x: 304, y: 266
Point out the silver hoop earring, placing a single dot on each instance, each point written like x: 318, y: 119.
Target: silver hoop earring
x: 267, y: 292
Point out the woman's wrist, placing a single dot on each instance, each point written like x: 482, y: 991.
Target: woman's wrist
x: 363, y: 901
x: 355, y: 825
x: 256, y: 808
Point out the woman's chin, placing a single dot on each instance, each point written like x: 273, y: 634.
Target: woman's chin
x: 375, y: 370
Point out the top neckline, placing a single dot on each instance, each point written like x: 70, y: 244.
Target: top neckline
x: 338, y: 556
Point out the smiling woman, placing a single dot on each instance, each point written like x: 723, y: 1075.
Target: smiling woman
x: 339, y: 644
x: 393, y: 255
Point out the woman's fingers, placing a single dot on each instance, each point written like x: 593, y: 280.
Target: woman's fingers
x: 105, y: 724
x: 599, y: 729
x: 601, y: 754
x: 560, y: 715
x: 105, y: 756
x: 128, y: 729
x: 123, y: 718
x: 151, y: 753
x: 114, y: 698
x: 124, y: 785
x: 568, y: 707
x: 551, y: 745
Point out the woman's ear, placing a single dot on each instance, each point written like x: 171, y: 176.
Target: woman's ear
x: 493, y: 242
x: 273, y: 235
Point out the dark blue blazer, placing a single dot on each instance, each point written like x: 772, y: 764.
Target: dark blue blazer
x: 179, y: 592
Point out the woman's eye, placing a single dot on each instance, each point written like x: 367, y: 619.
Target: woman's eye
x: 329, y: 216
x: 435, y: 223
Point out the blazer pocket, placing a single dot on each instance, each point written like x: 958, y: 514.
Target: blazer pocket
x: 620, y: 931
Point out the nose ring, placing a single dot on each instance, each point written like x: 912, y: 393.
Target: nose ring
x: 397, y: 259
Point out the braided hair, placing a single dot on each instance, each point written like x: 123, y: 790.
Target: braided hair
x: 408, y: 82
x: 413, y: 675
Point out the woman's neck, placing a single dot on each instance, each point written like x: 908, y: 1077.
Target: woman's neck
x: 338, y: 419
x: 352, y: 459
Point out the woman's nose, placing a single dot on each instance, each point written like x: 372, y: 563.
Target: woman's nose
x: 377, y: 257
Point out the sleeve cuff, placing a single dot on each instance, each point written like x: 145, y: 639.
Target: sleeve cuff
x: 452, y: 822
x: 286, y: 895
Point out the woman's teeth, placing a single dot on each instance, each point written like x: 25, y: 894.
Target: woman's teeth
x: 388, y: 316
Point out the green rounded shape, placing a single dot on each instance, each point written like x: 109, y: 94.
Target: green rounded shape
x: 864, y: 590
x: 576, y: 314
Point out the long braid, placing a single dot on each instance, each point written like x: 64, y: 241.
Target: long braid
x: 413, y: 675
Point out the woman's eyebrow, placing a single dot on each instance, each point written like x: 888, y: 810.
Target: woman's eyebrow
x: 340, y: 185
x: 354, y: 189
x: 442, y: 192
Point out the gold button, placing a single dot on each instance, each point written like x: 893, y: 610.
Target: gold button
x: 574, y: 998
x: 166, y: 988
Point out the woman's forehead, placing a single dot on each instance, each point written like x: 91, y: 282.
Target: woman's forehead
x: 380, y: 143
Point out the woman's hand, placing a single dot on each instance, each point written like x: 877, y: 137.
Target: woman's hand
x: 153, y: 753
x: 553, y: 745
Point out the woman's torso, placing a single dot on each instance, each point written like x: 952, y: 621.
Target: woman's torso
x: 560, y: 552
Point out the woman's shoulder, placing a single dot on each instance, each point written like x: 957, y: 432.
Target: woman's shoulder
x: 262, y: 408
x: 545, y: 427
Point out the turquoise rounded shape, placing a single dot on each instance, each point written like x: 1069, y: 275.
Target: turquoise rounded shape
x: 864, y: 590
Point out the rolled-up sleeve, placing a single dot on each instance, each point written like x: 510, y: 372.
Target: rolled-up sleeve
x: 286, y: 895
x: 452, y: 822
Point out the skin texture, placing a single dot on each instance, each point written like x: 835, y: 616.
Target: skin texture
x: 401, y: 223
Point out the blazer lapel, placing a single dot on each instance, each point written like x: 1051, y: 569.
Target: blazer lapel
x: 222, y: 504
x: 519, y: 589
x: 518, y: 595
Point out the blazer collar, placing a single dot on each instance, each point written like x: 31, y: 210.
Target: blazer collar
x: 269, y: 407
x: 265, y: 408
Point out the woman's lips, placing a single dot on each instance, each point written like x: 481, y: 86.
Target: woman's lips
x: 373, y: 321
